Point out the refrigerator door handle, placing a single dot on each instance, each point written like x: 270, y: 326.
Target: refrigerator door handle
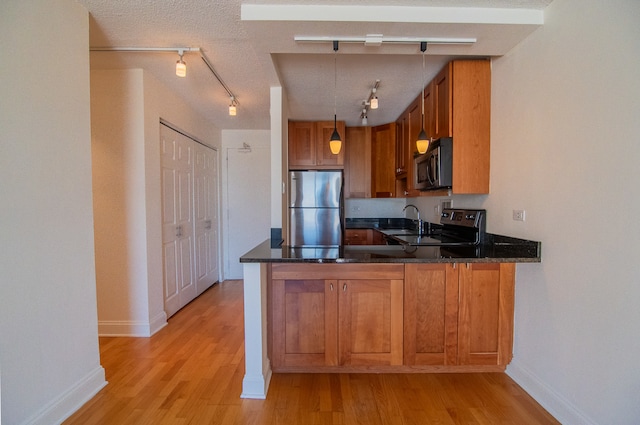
x: 293, y: 190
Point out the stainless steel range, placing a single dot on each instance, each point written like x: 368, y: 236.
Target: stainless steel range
x: 458, y: 227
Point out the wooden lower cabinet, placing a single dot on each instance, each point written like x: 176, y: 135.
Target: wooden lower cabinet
x: 485, y: 316
x: 305, y: 314
x: 321, y: 321
x: 415, y: 317
x: 459, y: 314
x: 358, y: 237
x: 370, y: 322
x: 430, y: 314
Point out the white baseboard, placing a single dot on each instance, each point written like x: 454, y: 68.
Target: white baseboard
x: 561, y: 408
x: 131, y: 327
x: 158, y: 322
x: 71, y: 400
x: 256, y: 387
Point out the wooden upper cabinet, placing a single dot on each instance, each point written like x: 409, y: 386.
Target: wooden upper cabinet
x: 302, y: 143
x: 383, y: 146
x: 357, y: 166
x: 442, y: 104
x: 470, y: 125
x: 309, y: 145
x: 401, y: 145
x: 457, y: 104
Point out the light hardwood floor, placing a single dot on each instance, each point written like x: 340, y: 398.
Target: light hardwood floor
x: 191, y: 373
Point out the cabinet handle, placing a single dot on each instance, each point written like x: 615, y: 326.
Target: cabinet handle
x: 468, y: 265
x: 344, y: 287
x: 454, y: 265
x: 207, y: 224
x: 331, y: 286
x: 179, y: 231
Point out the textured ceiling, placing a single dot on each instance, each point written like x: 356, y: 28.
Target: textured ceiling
x: 253, y: 51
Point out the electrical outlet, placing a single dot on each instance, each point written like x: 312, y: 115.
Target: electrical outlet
x: 518, y: 215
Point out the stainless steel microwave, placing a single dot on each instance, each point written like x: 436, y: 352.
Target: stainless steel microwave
x: 433, y: 169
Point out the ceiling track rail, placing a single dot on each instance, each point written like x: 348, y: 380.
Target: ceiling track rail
x: 178, y: 50
x: 379, y: 39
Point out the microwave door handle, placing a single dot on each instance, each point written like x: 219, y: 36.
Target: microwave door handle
x: 430, y: 170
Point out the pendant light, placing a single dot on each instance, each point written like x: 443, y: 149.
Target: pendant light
x: 423, y: 141
x: 335, y: 142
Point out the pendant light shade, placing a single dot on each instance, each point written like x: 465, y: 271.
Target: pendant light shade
x: 335, y: 142
x: 422, y: 143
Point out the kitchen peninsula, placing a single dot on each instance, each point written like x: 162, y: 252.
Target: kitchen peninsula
x: 380, y: 308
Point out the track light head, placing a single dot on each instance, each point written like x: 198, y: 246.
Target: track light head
x: 232, y: 106
x: 181, y: 66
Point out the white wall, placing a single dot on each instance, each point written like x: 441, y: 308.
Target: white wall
x: 126, y: 109
x: 565, y: 147
x: 240, y: 236
x: 279, y: 113
x: 117, y: 129
x: 48, y: 321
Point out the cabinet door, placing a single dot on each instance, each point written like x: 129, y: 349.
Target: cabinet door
x: 442, y: 104
x: 324, y: 157
x: 383, y: 143
x: 471, y: 88
x: 358, y: 237
x: 430, y: 314
x: 429, y: 115
x: 302, y: 145
x: 401, y: 145
x: 304, y: 323
x: 357, y: 168
x: 370, y: 328
x: 485, y: 318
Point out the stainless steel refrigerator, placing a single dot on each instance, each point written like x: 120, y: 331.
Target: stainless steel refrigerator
x: 316, y: 208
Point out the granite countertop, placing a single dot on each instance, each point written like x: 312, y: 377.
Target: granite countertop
x: 494, y: 249
x: 497, y: 249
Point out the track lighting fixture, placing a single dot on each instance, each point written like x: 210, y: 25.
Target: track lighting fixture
x: 181, y: 66
x: 370, y: 102
x: 232, y: 106
x: 423, y: 141
x: 335, y: 142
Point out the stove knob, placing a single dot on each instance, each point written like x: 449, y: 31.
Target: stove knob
x: 470, y: 217
x: 445, y: 215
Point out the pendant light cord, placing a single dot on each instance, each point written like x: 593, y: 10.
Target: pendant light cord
x: 335, y: 82
x: 423, y: 47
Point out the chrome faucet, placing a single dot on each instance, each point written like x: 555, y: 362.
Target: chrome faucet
x: 420, y: 225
